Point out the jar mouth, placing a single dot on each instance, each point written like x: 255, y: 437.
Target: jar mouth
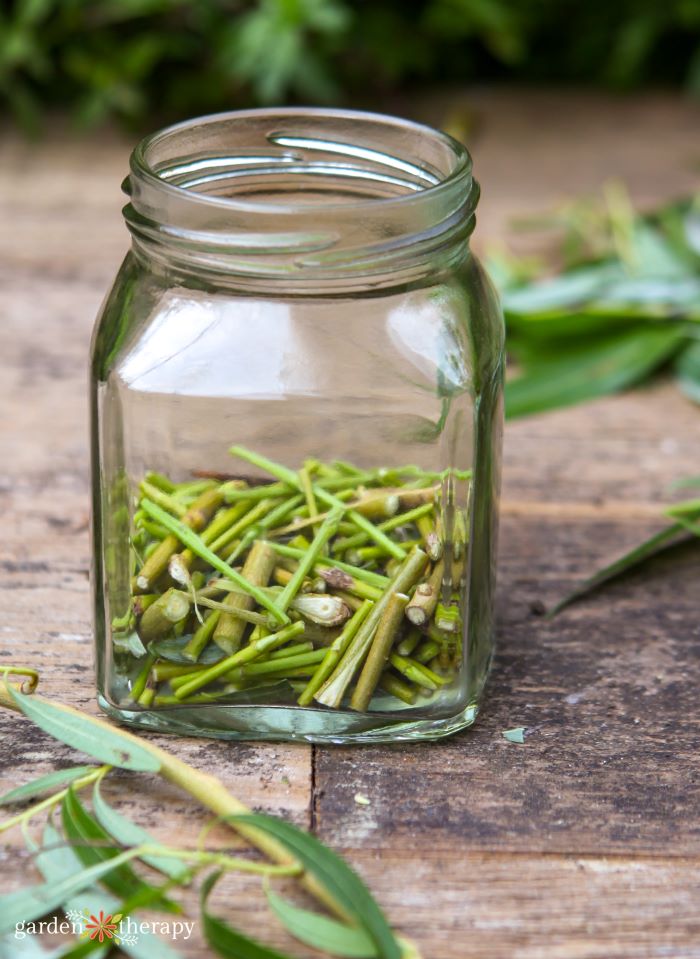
x: 330, y: 188
x: 158, y: 158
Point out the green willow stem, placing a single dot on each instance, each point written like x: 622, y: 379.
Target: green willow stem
x: 417, y: 672
x: 255, y: 648
x: 206, y: 789
x: 309, y: 559
x: 334, y: 654
x: 190, y: 539
x: 248, y: 616
x: 332, y: 692
x: 428, y: 650
x: 257, y: 570
x: 292, y: 479
x: 401, y: 519
x: 161, y: 481
x: 249, y: 517
x: 308, y: 490
x: 363, y: 575
x: 384, y: 636
x: 164, y: 500
x: 139, y: 684
x: 271, y: 519
x: 162, y: 672
x: 275, y: 665
x: 154, y: 530
x: 253, y: 493
x: 197, y: 516
x: 397, y: 687
x: 292, y: 650
x: 201, y: 637
x: 228, y: 863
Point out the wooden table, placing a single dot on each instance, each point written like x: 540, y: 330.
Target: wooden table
x: 584, y: 841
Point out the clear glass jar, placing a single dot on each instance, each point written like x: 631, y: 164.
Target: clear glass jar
x: 300, y: 287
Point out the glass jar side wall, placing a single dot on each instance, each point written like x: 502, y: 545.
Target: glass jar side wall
x: 406, y: 378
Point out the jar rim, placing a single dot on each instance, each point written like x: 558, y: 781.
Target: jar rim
x: 142, y: 168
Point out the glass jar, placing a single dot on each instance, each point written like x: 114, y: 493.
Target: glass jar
x: 296, y: 432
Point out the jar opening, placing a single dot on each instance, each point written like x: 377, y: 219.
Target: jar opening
x: 313, y: 190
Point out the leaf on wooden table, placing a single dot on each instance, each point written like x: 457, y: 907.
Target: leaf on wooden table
x: 33, y: 902
x: 83, y: 733
x: 92, y: 844
x: 336, y: 876
x: 225, y: 940
x: 650, y: 547
x: 566, y: 290
x: 319, y: 931
x: 128, y: 833
x: 45, y: 784
x: 597, y: 369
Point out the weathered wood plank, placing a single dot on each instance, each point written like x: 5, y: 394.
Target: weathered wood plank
x: 607, y: 692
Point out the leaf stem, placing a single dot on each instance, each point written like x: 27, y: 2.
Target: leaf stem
x: 55, y: 799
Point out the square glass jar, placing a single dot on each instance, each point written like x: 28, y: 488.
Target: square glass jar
x: 296, y: 434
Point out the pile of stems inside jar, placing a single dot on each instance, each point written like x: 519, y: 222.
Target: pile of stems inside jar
x: 336, y: 581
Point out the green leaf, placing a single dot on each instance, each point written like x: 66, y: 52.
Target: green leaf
x: 83, y: 733
x: 92, y: 845
x: 567, y: 290
x: 650, y: 547
x: 29, y: 948
x: 563, y: 326
x: 171, y: 649
x: 653, y: 256
x: 45, y: 784
x: 227, y: 941
x: 57, y: 862
x: 687, y: 370
x: 515, y: 735
x: 128, y: 833
x: 594, y: 370
x: 319, y: 931
x: 336, y: 877
x: 28, y: 904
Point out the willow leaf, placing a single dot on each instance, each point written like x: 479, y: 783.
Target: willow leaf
x: 650, y: 547
x: 92, y: 845
x: 45, y: 784
x: 172, y: 651
x: 83, y: 733
x: 687, y: 371
x: 567, y: 290
x: 57, y: 862
x: 319, y: 931
x: 336, y: 876
x: 600, y: 368
x: 225, y: 940
x: 28, y: 904
x: 128, y: 833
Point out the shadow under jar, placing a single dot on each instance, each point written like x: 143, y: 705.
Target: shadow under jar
x: 296, y: 433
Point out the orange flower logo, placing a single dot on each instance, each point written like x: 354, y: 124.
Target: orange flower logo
x: 106, y: 927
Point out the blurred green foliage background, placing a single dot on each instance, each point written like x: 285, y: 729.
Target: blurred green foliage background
x: 138, y: 59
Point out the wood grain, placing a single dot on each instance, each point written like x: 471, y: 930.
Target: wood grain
x: 582, y: 842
